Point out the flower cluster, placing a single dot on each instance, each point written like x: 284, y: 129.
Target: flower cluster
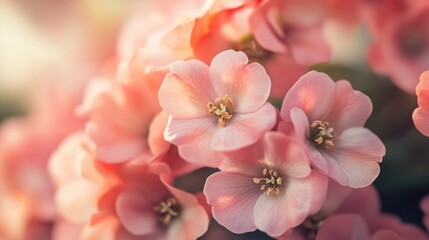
x: 222, y: 93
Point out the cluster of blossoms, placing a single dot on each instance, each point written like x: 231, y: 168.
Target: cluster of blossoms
x: 224, y: 85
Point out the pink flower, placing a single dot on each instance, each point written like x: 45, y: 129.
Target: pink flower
x: 354, y: 214
x: 424, y: 204
x: 354, y: 227
x: 120, y: 118
x: 270, y: 185
x: 153, y: 209
x: 227, y: 27
x: 328, y: 116
x: 131, y: 200
x: 218, y: 108
x: 286, y: 27
x: 402, y: 41
x: 421, y: 114
x: 126, y: 120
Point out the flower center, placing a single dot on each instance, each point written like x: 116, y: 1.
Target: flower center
x: 221, y: 108
x: 270, y: 182
x: 322, y: 134
x: 253, y: 50
x: 311, y: 225
x: 168, y: 209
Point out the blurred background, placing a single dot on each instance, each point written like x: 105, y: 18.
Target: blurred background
x: 60, y: 40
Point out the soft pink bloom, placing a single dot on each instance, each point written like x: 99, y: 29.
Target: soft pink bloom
x: 424, y: 204
x: 168, y: 36
x: 354, y: 214
x: 121, y: 117
x: 353, y: 226
x: 126, y: 120
x: 229, y: 27
x: 154, y: 209
x: 329, y: 117
x: 402, y: 41
x: 421, y: 114
x: 120, y: 197
x: 27, y: 193
x: 270, y: 185
x: 218, y: 108
x: 293, y: 27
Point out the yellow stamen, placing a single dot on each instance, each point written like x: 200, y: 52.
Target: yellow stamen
x: 271, y: 182
x: 168, y: 209
x: 222, y: 108
x: 322, y: 134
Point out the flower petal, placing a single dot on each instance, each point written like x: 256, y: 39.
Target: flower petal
x: 232, y: 195
x: 302, y: 196
x: 308, y: 45
x: 288, y: 154
x: 357, y: 152
x: 421, y: 120
x: 343, y: 226
x: 135, y: 213
x: 192, y: 152
x: 244, y: 129
x: 185, y: 131
x: 264, y: 33
x: 313, y: 93
x: 186, y: 90
x: 247, y: 85
x: 350, y: 109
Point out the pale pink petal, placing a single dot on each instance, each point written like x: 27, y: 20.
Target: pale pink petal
x: 386, y: 234
x: 288, y: 154
x: 343, y: 226
x: 300, y: 124
x: 193, y: 220
x: 244, y: 129
x: 264, y: 34
x: 76, y: 200
x: 302, y: 132
x: 193, y: 223
x: 104, y: 230
x: 350, y: 109
x: 302, y: 196
x: 135, y: 213
x: 186, y: 131
x: 276, y: 67
x: 423, y: 98
x: 113, y: 145
x: 313, y: 93
x: 65, y: 162
x: 319, y: 189
x: 358, y: 138
x: 361, y: 167
x: 156, y: 142
x: 375, y: 58
x: 192, y: 152
x: 233, y: 197
x: 247, y: 85
x: 363, y: 201
x: 424, y: 82
x: 421, y: 120
x: 350, y: 170
x: 394, y: 223
x: 334, y: 169
x: 308, y: 45
x: 271, y: 214
x: 64, y: 230
x: 246, y: 160
x: 186, y: 90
